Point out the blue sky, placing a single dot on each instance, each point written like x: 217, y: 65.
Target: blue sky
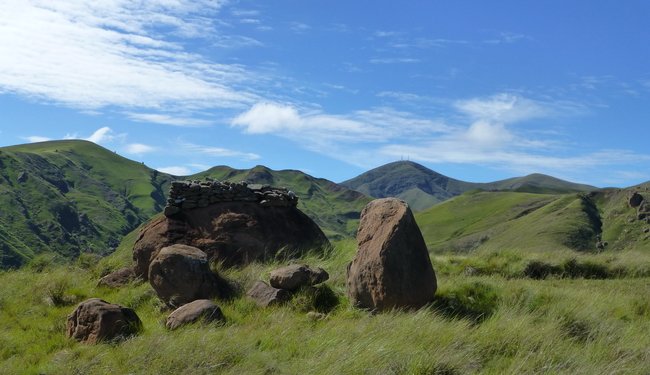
x: 475, y: 90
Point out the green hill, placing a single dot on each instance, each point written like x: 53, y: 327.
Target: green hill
x: 497, y: 221
x: 71, y: 197
x: 333, y: 207
x: 422, y: 188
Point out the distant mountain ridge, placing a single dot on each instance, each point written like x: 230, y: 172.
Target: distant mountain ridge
x: 422, y: 187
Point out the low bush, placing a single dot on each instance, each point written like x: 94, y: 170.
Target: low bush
x: 321, y: 299
x: 475, y: 301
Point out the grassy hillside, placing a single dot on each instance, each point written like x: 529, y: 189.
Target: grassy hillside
x: 539, y: 183
x: 71, y: 197
x: 494, y: 221
x: 333, y: 207
x: 422, y: 188
x: 486, y: 323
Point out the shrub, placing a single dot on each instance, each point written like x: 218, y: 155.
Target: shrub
x: 321, y: 299
x: 541, y: 270
x: 588, y: 270
x: 475, y: 301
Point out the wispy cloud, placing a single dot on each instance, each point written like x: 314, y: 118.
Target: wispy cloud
x: 299, y: 27
x: 219, y: 152
x: 115, y: 53
x: 164, y: 119
x: 99, y: 136
x: 138, y: 149
x: 36, y: 138
x: 318, y: 129
x: 395, y: 60
x: 176, y: 170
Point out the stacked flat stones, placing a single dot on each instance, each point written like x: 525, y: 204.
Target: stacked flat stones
x: 187, y: 195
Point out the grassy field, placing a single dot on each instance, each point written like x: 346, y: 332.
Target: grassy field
x: 488, y: 317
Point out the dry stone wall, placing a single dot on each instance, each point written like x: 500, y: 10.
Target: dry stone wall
x: 187, y: 195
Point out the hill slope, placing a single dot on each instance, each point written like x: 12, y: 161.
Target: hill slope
x: 71, y: 197
x: 422, y: 188
x: 534, y: 222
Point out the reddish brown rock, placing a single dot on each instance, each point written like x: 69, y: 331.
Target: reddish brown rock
x: 181, y: 274
x: 202, y: 309
x: 234, y: 233
x: 95, y: 320
x: 118, y: 278
x: 391, y: 268
x: 265, y: 295
x: 294, y: 276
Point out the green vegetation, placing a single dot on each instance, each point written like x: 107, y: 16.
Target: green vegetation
x: 480, y: 323
x: 497, y: 221
x: 71, y: 198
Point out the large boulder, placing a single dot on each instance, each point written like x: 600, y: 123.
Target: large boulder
x: 265, y: 295
x: 635, y: 200
x: 202, y: 309
x: 181, y: 274
x: 391, y: 268
x: 294, y: 276
x: 234, y: 233
x: 96, y: 320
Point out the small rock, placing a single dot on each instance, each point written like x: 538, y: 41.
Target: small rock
x: 203, y: 309
x: 294, y: 276
x: 265, y: 295
x: 96, y: 320
x: 646, y: 230
x: 22, y: 177
x: 118, y: 278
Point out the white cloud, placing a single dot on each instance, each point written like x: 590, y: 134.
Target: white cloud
x: 319, y: 130
x: 36, y: 138
x: 504, y: 108
x: 176, y: 170
x: 115, y: 53
x: 138, y: 148
x: 217, y: 151
x: 268, y: 118
x: 167, y: 119
x: 299, y: 27
x: 101, y: 135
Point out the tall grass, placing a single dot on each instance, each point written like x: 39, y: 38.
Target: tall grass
x: 481, y: 323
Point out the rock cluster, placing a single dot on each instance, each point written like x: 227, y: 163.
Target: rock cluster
x: 96, y: 320
x: 284, y: 281
x: 187, y: 195
x: 391, y: 268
